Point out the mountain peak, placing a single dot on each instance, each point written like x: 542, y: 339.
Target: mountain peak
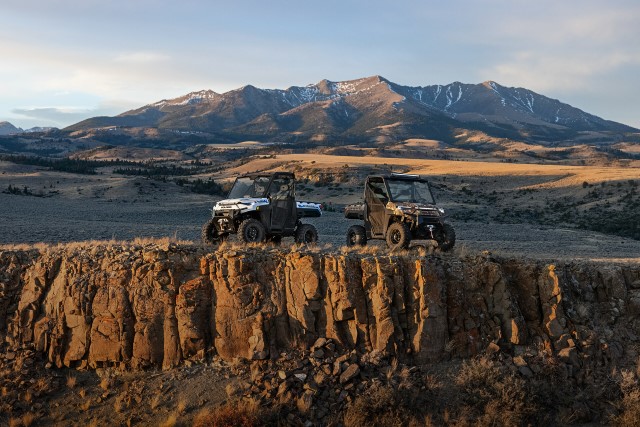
x: 190, y: 98
x: 366, y: 107
x: 348, y: 87
x: 376, y: 79
x: 324, y: 86
x: 204, y: 92
x: 7, y: 128
x: 490, y: 84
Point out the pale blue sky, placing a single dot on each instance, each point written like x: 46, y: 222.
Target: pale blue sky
x: 65, y: 60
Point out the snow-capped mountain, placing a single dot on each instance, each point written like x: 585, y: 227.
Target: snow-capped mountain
x: 37, y: 129
x: 364, y: 110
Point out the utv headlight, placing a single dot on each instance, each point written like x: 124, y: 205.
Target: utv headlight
x: 401, y: 210
x: 441, y: 211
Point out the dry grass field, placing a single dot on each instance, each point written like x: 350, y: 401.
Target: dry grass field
x: 574, y: 174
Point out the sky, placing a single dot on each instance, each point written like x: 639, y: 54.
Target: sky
x: 62, y: 61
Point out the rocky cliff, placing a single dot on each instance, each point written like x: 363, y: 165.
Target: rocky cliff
x: 144, y: 306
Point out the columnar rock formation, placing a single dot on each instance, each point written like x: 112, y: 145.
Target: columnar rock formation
x: 157, y: 306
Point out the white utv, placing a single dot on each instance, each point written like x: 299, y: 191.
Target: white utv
x: 262, y: 207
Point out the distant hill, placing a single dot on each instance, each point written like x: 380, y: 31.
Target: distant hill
x: 38, y: 129
x: 7, y: 128
x: 371, y: 109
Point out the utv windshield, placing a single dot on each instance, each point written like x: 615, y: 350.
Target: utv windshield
x: 410, y: 191
x: 246, y: 187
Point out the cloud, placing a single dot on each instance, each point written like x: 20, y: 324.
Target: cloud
x: 143, y: 76
x: 558, y: 71
x: 61, y: 116
x: 142, y: 58
x: 54, y: 114
x: 556, y: 47
x: 561, y: 28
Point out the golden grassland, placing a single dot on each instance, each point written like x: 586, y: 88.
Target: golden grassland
x: 570, y: 175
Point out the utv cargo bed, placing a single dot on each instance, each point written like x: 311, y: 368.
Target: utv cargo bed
x: 308, y: 210
x: 354, y: 211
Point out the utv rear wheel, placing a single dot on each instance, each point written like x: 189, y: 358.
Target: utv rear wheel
x: 209, y: 233
x: 356, y: 236
x: 446, y: 238
x: 398, y: 236
x: 251, y: 231
x: 306, y: 233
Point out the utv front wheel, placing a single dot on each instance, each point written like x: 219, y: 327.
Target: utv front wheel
x: 447, y: 238
x: 209, y: 233
x: 356, y: 236
x: 398, y: 236
x: 306, y: 233
x: 251, y: 231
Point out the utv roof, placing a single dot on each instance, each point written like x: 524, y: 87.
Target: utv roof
x: 257, y: 174
x: 402, y: 176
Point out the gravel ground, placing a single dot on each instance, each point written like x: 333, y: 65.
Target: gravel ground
x: 34, y: 219
x: 526, y: 240
x: 26, y: 219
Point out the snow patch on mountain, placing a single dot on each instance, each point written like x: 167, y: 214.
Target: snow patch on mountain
x: 197, y: 97
x: 353, y: 87
x: 345, y: 88
x: 494, y: 88
x: 39, y: 129
x: 308, y: 94
x: 438, y: 90
x: 190, y: 98
x: 449, y: 94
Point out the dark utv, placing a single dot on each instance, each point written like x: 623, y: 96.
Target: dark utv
x: 398, y: 208
x: 262, y: 207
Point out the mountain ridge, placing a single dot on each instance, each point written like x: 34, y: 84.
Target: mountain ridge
x: 366, y: 109
x: 7, y: 128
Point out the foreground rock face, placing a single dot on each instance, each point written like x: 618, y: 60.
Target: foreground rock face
x: 140, y: 307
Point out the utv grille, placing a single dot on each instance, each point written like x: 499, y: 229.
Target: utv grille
x: 225, y: 224
x: 429, y: 212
